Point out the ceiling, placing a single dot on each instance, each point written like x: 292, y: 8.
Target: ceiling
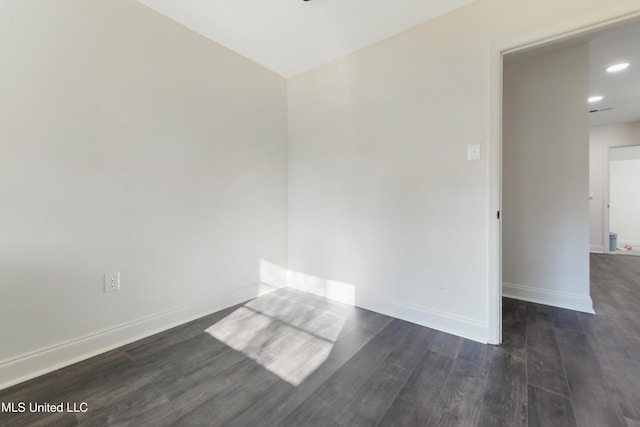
x: 620, y: 91
x: 293, y: 36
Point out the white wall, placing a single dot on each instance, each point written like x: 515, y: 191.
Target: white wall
x: 545, y: 178
x: 128, y: 143
x: 381, y: 194
x: 623, y: 197
x: 601, y: 139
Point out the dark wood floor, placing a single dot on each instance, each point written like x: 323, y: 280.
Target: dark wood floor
x: 292, y: 359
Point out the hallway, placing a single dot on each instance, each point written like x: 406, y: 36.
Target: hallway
x: 582, y: 364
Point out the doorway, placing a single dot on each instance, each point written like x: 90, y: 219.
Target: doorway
x: 567, y: 34
x: 624, y: 204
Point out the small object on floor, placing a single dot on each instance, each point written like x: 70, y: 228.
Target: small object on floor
x: 625, y: 248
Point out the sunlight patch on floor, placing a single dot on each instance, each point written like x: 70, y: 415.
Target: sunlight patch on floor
x: 287, y: 337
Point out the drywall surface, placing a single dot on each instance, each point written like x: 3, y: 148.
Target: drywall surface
x: 128, y: 144
x: 601, y: 140
x: 624, y: 202
x: 381, y: 194
x: 545, y: 177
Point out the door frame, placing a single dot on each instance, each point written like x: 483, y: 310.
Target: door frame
x: 548, y: 35
x: 606, y: 214
x: 606, y: 201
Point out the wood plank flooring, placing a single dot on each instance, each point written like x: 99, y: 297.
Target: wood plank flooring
x: 293, y: 359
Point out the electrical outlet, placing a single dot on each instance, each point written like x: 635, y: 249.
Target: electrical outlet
x: 111, y: 282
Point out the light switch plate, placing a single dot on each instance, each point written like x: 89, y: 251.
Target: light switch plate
x: 474, y: 152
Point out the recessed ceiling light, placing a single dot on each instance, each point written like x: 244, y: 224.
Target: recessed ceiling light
x: 618, y: 67
x: 593, y: 99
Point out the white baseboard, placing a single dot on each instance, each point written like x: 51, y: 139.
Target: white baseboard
x: 424, y: 316
x: 34, y: 364
x: 45, y: 360
x: 596, y: 249
x: 633, y: 243
x: 548, y: 297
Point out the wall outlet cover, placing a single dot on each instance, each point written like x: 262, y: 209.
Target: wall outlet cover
x: 111, y: 282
